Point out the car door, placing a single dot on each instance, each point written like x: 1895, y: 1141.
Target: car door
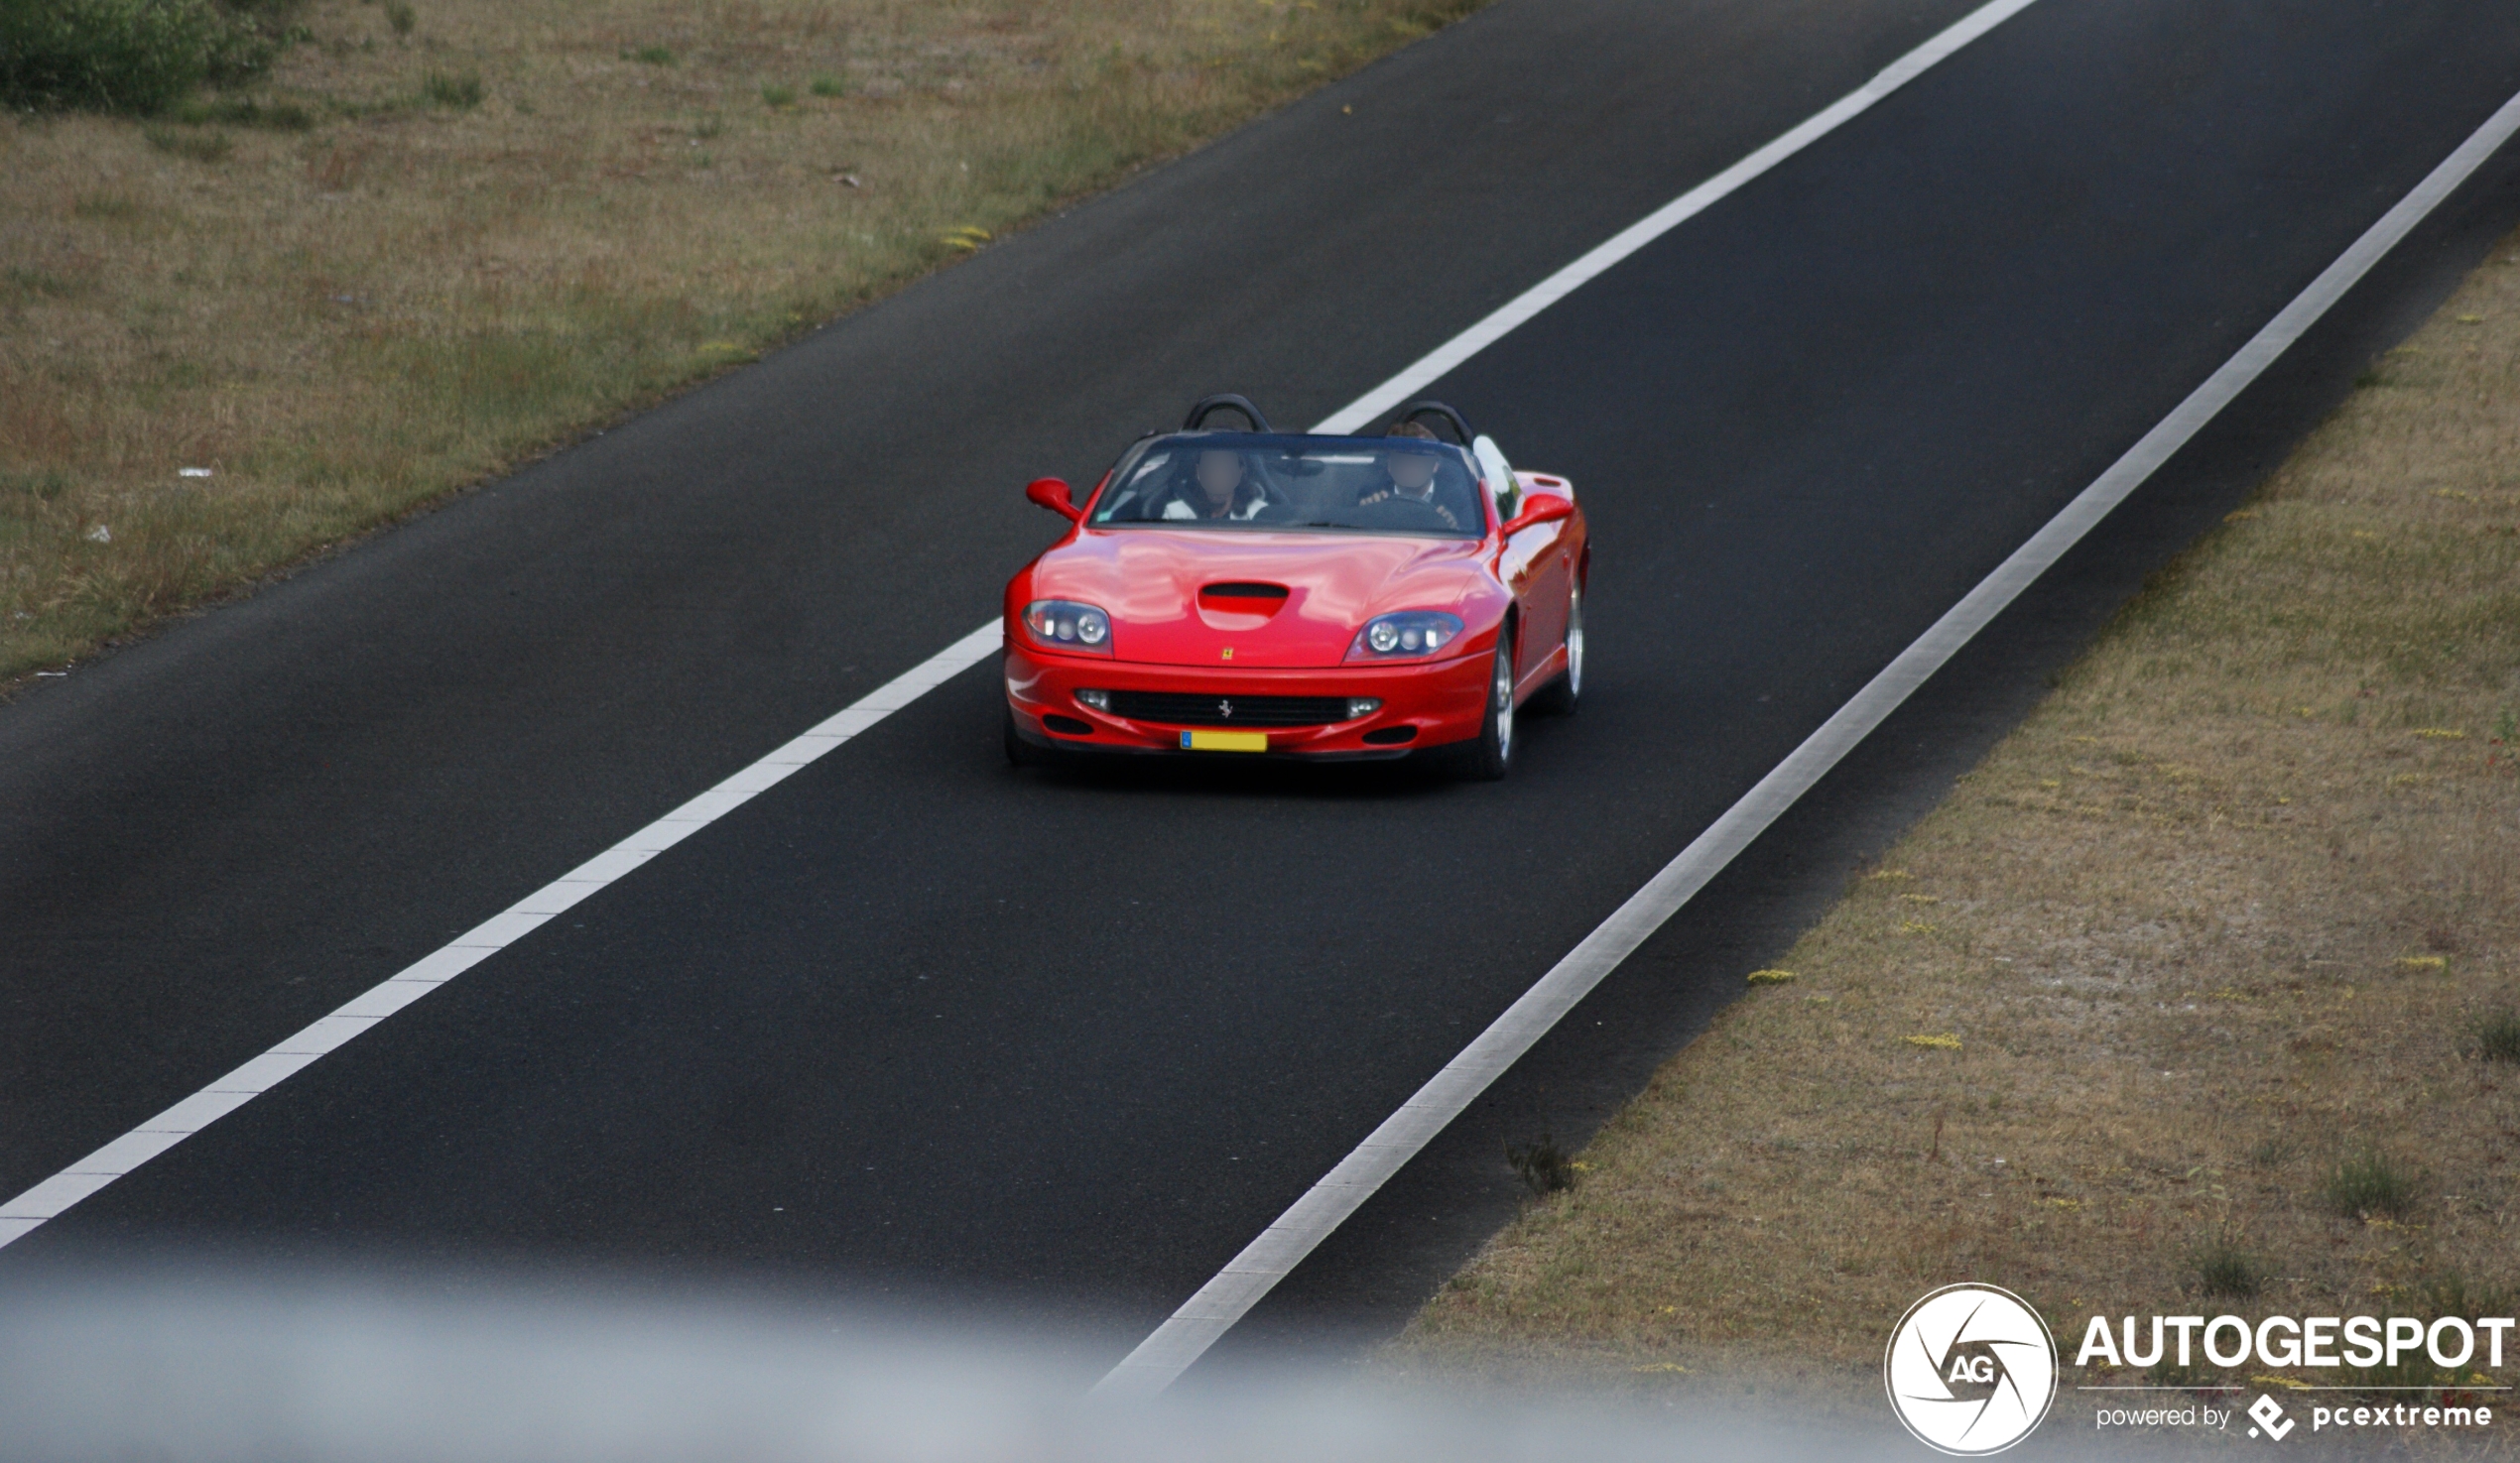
x: 1533, y: 565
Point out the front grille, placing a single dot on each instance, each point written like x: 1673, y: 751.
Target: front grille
x: 1180, y: 708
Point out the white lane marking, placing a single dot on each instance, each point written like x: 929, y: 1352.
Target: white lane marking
x: 258, y: 1076
x: 49, y: 1198
x: 1225, y: 1299
x: 1670, y: 216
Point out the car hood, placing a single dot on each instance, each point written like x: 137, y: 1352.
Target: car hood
x: 1149, y: 581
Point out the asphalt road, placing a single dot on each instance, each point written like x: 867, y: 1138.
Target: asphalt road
x: 916, y: 1024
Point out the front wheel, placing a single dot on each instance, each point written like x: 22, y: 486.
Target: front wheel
x: 1020, y: 753
x: 1492, y: 755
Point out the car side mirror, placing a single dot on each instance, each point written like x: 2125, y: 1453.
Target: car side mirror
x: 1545, y: 509
x: 1051, y: 492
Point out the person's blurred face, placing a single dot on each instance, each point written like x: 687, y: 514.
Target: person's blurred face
x: 1412, y: 471
x: 1220, y: 473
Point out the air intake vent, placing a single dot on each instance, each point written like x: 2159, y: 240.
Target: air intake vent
x: 1181, y: 708
x: 1240, y: 608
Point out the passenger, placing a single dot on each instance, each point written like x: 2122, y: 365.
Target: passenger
x: 1410, y: 474
x: 1222, y: 491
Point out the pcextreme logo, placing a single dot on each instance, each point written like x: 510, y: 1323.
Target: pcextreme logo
x: 1971, y: 1370
x: 2268, y: 1414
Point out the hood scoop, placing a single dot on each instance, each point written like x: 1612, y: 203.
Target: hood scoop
x: 1239, y: 605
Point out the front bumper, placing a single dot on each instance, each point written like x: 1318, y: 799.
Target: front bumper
x: 1431, y: 702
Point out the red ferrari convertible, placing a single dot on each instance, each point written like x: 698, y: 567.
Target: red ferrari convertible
x: 1253, y: 591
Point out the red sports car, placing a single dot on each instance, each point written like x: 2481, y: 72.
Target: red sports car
x: 1298, y: 595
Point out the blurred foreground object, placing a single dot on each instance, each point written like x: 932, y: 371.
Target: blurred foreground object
x: 169, y: 1364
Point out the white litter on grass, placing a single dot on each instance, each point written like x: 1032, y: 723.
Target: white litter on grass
x: 100, y: 535
x: 192, y: 472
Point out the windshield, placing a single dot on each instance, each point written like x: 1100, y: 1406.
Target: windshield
x: 1234, y: 480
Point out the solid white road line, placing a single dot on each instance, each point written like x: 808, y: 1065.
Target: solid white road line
x: 1670, y: 216
x: 258, y: 1076
x: 101, y: 1167
x: 1267, y: 1260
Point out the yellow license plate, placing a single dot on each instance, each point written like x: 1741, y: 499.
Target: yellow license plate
x: 1224, y: 741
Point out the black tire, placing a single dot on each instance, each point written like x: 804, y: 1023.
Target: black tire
x: 1560, y: 697
x: 1020, y: 753
x: 1489, y: 759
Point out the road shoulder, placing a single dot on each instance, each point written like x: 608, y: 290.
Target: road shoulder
x: 2190, y: 995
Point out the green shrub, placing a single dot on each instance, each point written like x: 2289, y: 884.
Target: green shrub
x: 2369, y: 1183
x: 399, y: 15
x: 2224, y: 1268
x: 829, y: 87
x: 1543, y: 1166
x: 122, y: 55
x: 460, y: 92
x: 653, y: 56
x: 779, y: 96
x: 2499, y: 1036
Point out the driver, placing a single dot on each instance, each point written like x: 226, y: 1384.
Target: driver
x: 1410, y: 474
x: 1220, y: 479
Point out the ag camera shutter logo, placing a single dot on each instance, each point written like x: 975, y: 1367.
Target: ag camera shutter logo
x: 1971, y: 1370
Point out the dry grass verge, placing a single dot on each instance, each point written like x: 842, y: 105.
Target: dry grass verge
x: 445, y: 234
x: 2199, y: 993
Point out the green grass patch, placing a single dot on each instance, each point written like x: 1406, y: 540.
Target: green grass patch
x: 456, y: 92
x: 2224, y: 1269
x: 26, y: 282
x: 245, y: 111
x: 43, y: 486
x: 2369, y: 1182
x: 827, y: 85
x: 774, y: 94
x: 201, y: 147
x: 2499, y: 1036
x: 107, y: 208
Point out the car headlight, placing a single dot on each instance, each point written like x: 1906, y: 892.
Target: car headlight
x: 1065, y: 625
x: 1408, y: 633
